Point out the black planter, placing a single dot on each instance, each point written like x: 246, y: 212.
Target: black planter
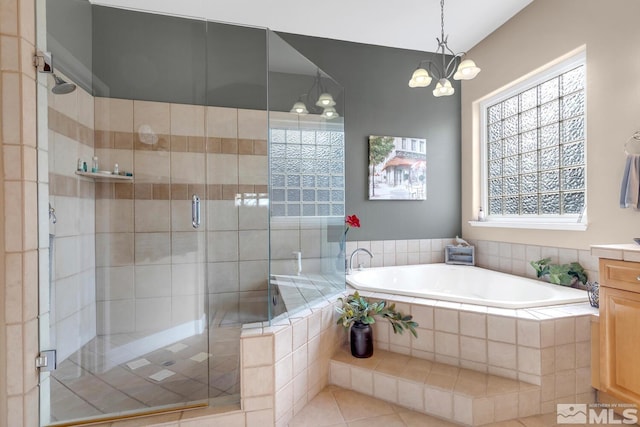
x: 361, y: 340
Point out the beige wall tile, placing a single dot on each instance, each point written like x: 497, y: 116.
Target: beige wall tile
x: 446, y: 320
x: 27, y: 51
x: 14, y: 359
x: 115, y: 316
x: 187, y: 120
x: 473, y: 324
x: 12, y: 158
x: 188, y: 247
x: 152, y: 216
x: 152, y: 281
x: 113, y: 283
x: 156, y: 115
x: 187, y: 168
x: 30, y: 286
x: 528, y: 333
x: 152, y: 166
x: 222, y: 122
x: 253, y: 245
x: 473, y: 349
x: 9, y: 53
x: 114, y: 216
x: 257, y: 381
x: 385, y: 387
x: 152, y: 248
x: 253, y: 170
x: 501, y: 329
x: 529, y: 360
x: 252, y: 124
x: 565, y: 331
x: 152, y: 314
x: 30, y: 216
x: 13, y: 288
x: 114, y: 249
x: 11, y: 108
x: 438, y: 402
x: 423, y: 315
x: 222, y: 169
x: 114, y: 114
x: 502, y: 355
x: 283, y: 372
x: 13, y: 216
x: 27, y: 23
x: 9, y: 17
x: 362, y: 380
x: 257, y: 351
x: 447, y: 344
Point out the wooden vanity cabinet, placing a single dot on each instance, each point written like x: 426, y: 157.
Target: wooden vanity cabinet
x: 620, y: 329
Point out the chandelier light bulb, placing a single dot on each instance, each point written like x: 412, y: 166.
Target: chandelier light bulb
x: 329, y: 113
x: 467, y: 70
x: 420, y: 78
x: 443, y: 88
x: 325, y: 100
x: 299, y: 108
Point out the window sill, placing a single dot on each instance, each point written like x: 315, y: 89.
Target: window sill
x: 568, y: 226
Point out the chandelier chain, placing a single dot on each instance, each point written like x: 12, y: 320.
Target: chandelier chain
x: 442, y: 19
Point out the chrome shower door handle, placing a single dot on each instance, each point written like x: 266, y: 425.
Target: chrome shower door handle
x: 195, y: 211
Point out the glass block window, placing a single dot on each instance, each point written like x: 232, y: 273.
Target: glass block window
x: 535, y: 147
x: 307, y: 172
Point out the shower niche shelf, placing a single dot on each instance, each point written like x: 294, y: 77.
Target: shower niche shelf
x: 104, y: 176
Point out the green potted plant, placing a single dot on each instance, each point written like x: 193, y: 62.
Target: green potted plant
x: 571, y: 274
x: 358, y: 313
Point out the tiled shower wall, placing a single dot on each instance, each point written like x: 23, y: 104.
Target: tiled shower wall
x: 499, y: 256
x: 72, y: 317
x: 150, y: 259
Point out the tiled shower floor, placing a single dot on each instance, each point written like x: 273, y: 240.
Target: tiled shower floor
x: 110, y: 375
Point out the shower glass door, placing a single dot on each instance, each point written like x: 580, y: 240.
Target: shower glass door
x: 126, y: 308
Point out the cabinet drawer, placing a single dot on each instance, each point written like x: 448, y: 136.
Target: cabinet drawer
x: 623, y: 275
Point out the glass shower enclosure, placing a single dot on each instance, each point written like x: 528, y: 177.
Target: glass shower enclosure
x: 172, y: 222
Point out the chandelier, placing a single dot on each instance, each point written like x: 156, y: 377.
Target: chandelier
x: 464, y: 69
x: 324, y: 100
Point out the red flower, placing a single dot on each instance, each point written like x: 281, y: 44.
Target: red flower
x: 352, y: 221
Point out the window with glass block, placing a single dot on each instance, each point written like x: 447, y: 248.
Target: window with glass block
x: 535, y: 149
x: 307, y: 172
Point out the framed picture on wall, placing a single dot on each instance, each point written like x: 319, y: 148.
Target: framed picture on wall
x: 397, y: 168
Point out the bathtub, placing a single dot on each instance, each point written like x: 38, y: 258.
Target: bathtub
x: 464, y: 284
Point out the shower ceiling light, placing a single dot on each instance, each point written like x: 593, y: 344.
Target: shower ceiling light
x: 466, y: 70
x: 324, y: 100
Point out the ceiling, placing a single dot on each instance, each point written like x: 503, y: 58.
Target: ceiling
x: 407, y: 24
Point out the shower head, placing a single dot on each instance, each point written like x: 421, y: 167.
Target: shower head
x: 62, y: 87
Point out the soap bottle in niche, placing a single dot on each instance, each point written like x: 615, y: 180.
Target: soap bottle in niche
x: 94, y: 166
x: 116, y: 169
x: 79, y: 167
x: 480, y: 214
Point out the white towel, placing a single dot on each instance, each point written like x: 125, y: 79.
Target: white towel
x: 630, y: 188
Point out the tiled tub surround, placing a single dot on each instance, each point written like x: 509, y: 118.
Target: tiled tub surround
x: 547, y: 346
x: 499, y: 256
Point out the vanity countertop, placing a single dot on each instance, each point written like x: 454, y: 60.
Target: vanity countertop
x: 622, y: 251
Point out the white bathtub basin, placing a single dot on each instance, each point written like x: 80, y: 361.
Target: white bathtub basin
x: 464, y: 284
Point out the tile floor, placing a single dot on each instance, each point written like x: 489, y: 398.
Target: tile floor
x: 113, y: 374
x: 338, y: 407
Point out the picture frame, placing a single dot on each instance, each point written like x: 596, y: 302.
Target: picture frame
x: 397, y: 168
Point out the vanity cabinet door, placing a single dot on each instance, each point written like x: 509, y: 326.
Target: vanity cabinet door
x: 620, y: 343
